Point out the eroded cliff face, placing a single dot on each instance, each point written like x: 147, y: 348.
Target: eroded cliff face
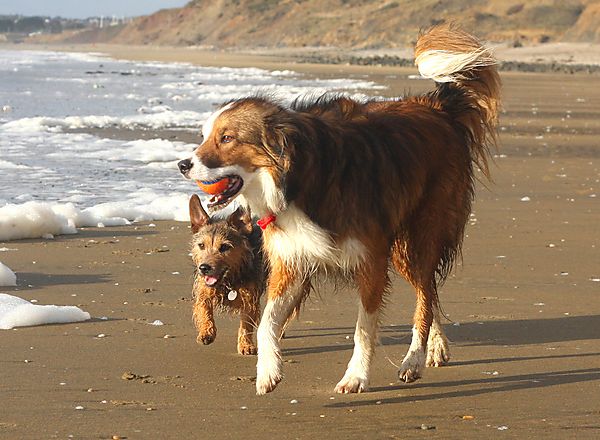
x: 349, y: 23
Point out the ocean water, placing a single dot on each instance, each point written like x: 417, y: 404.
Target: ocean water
x: 54, y: 180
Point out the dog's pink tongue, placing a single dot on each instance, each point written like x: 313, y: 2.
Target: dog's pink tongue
x: 210, y: 281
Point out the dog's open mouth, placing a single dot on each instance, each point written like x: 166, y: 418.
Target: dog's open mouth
x: 211, y: 280
x: 223, y: 190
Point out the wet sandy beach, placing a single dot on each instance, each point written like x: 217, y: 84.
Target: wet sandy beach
x: 524, y: 310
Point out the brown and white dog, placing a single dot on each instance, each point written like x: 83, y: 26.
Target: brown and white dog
x: 354, y: 186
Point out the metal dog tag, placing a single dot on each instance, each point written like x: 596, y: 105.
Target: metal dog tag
x: 232, y: 295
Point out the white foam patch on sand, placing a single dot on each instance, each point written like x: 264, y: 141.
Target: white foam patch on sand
x: 44, y: 220
x: 32, y: 220
x: 17, y: 312
x: 7, y: 276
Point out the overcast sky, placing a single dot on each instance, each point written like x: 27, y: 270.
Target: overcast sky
x: 86, y: 8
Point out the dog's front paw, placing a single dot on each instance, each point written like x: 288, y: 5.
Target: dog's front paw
x: 268, y: 373
x: 207, y: 336
x: 438, y: 352
x: 412, y: 366
x: 246, y: 348
x: 352, y: 384
x: 265, y: 384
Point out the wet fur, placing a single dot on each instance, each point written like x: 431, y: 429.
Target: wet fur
x: 240, y: 267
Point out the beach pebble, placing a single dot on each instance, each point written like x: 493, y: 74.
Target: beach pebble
x: 79, y: 407
x: 157, y: 322
x: 425, y: 427
x: 525, y: 199
x: 293, y: 401
x: 168, y: 336
x: 101, y: 335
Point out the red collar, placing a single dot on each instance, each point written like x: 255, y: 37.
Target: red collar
x: 265, y: 221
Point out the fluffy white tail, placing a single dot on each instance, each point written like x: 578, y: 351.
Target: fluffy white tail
x: 468, y: 83
x: 444, y: 66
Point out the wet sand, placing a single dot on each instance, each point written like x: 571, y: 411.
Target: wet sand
x: 524, y: 309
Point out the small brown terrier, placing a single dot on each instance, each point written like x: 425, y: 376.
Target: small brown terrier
x: 229, y: 273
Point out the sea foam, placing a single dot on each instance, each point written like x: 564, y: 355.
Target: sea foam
x: 7, y: 276
x: 17, y: 312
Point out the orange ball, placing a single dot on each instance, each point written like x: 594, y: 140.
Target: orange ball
x: 214, y: 187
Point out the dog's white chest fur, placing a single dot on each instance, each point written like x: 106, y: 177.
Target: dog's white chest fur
x: 305, y: 246
x: 295, y: 239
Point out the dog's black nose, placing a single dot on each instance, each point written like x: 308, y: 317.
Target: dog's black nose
x: 205, y: 269
x: 185, y: 165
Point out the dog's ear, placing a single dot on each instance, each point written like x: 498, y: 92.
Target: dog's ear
x: 277, y: 139
x: 198, y: 216
x: 241, y: 220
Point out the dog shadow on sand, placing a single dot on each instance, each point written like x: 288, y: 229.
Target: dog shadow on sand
x: 482, y: 333
x: 478, y: 386
x: 486, y: 333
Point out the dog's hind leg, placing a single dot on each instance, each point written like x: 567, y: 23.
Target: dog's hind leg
x: 372, y: 281
x: 418, y: 262
x: 438, y: 352
x: 419, y: 270
x: 413, y: 363
x: 284, y: 293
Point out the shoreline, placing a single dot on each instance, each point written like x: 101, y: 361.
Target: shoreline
x: 558, y: 58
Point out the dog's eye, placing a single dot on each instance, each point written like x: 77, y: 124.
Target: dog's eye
x: 201, y: 246
x: 226, y: 139
x: 225, y: 247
